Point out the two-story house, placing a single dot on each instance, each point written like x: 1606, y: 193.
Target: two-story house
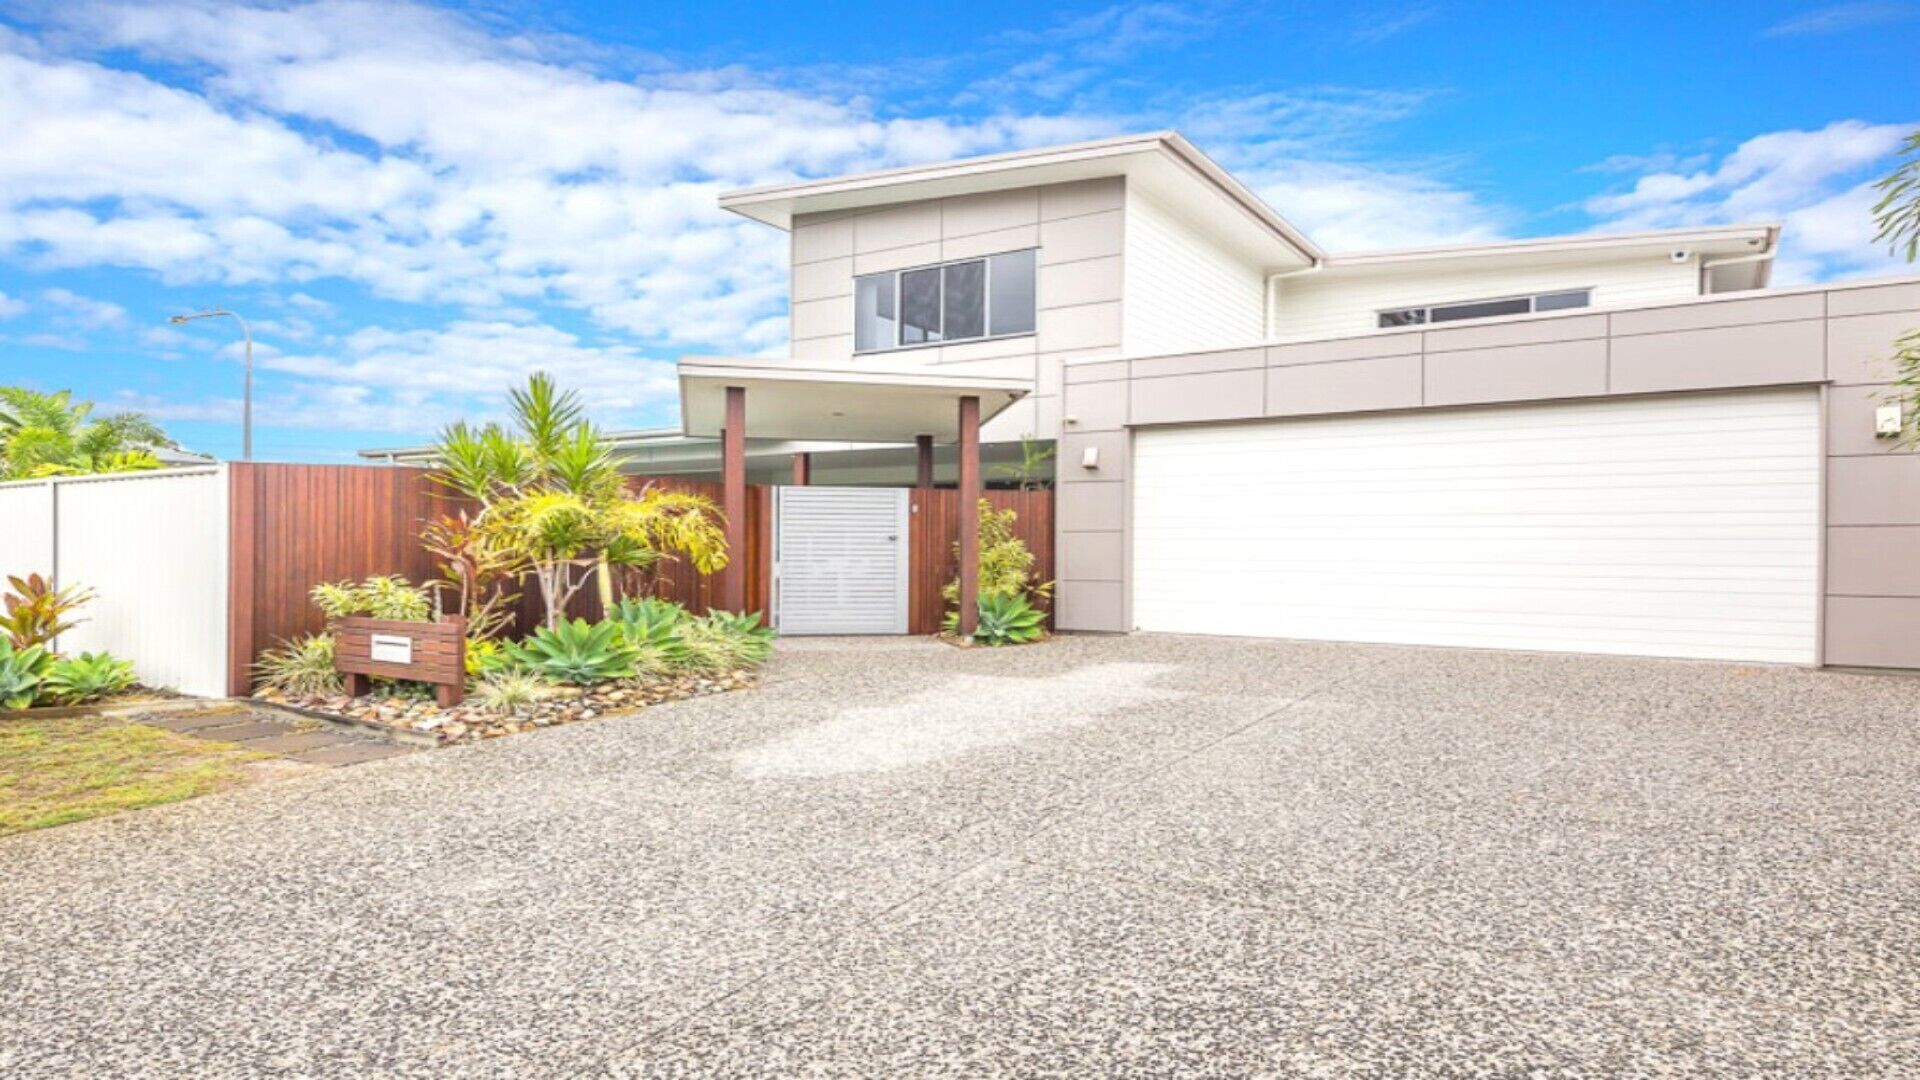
x: 1597, y: 443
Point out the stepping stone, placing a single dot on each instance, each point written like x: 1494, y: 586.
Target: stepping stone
x: 259, y: 729
x: 351, y: 753
x: 185, y: 722
x: 295, y: 743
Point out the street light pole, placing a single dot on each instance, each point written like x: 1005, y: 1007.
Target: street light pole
x: 246, y: 401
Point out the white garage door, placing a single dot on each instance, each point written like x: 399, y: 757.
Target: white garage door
x: 1678, y: 526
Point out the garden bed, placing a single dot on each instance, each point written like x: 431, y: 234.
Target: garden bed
x: 415, y: 718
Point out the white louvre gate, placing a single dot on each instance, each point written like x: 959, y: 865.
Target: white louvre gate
x: 840, y: 560
x: 153, y: 546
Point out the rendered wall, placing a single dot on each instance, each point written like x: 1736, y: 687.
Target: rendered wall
x: 1838, y: 338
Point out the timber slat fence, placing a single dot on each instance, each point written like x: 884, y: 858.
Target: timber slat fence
x: 292, y: 527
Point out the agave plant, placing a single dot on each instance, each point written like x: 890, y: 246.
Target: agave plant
x: 22, y: 671
x: 576, y: 651
x: 1009, y: 620
x: 36, y: 612
x: 651, y: 628
x: 75, y: 679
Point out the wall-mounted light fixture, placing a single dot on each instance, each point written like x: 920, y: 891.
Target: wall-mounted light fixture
x: 1090, y: 458
x: 1888, y: 421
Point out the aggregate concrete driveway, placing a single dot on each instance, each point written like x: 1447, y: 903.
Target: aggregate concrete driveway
x: 1143, y: 856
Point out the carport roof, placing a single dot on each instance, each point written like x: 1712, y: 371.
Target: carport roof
x: 846, y: 404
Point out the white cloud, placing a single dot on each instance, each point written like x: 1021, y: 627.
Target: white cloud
x: 1378, y: 26
x: 1295, y: 150
x: 84, y: 312
x: 9, y: 307
x: 1817, y: 183
x: 1840, y: 18
x: 409, y: 150
x: 398, y: 380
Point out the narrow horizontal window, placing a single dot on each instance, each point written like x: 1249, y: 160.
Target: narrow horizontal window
x: 1486, y: 309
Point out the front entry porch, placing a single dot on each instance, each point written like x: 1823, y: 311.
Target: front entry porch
x: 730, y: 399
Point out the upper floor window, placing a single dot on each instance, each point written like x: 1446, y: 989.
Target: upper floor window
x: 956, y: 301
x: 1487, y: 309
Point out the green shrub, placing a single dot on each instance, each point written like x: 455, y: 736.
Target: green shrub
x: 720, y: 642
x: 389, y: 597
x: 1006, y: 569
x: 577, y: 652
x: 506, y: 691
x: 652, y: 629
x: 300, y: 667
x: 75, y: 679
x: 22, y: 671
x: 1008, y: 620
x: 1006, y: 566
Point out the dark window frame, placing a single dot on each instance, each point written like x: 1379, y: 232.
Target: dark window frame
x: 986, y: 320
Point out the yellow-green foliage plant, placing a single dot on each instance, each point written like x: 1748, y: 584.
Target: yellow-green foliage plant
x: 551, y: 494
x: 389, y: 597
x: 1006, y: 565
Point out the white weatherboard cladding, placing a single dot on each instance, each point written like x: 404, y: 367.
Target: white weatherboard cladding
x: 1682, y: 526
x: 1349, y: 302
x: 840, y: 560
x: 1183, y: 292
x: 154, y: 547
x: 26, y: 529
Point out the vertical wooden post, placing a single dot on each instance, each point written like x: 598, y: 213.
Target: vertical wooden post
x: 802, y: 470
x: 923, y: 445
x: 241, y: 556
x: 969, y: 515
x: 733, y: 499
x: 449, y: 694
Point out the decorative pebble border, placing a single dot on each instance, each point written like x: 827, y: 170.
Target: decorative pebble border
x: 414, y: 719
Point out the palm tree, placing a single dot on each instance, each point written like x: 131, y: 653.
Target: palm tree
x: 1898, y: 216
x: 51, y: 435
x: 551, y: 493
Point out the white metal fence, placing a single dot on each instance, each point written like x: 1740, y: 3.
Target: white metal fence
x: 153, y: 546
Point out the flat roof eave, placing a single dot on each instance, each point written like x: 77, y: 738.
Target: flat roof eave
x: 841, y: 404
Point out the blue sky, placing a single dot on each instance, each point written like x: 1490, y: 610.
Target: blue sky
x: 416, y: 205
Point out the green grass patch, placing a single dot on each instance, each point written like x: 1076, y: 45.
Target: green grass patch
x: 53, y: 771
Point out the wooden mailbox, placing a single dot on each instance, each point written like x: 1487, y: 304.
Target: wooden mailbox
x: 429, y: 652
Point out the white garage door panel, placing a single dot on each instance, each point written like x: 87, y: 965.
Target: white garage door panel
x: 1680, y: 526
